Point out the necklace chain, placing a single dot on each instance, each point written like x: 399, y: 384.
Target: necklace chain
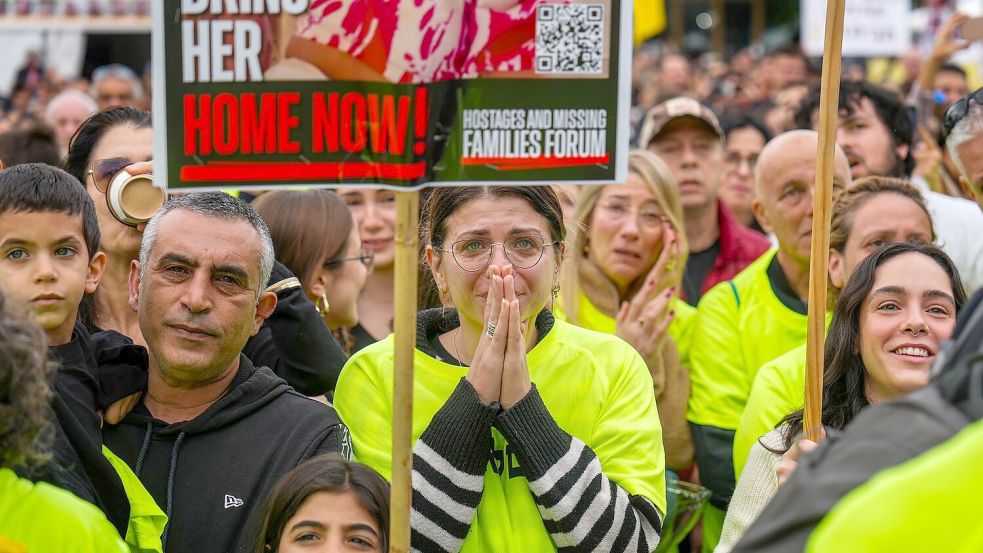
x: 457, y: 350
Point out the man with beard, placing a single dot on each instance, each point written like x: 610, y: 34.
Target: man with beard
x: 874, y: 129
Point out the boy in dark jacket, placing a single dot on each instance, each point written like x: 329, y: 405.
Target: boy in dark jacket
x: 49, y: 258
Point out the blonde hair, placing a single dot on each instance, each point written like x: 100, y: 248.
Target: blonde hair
x: 661, y: 183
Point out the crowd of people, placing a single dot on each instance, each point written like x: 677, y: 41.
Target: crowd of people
x: 219, y: 376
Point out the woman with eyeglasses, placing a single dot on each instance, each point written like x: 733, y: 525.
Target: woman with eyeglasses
x: 374, y: 212
x: 744, y: 138
x: 621, y: 277
x: 531, y: 434
x: 106, y: 143
x: 315, y: 237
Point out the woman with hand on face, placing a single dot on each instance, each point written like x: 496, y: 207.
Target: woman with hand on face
x: 621, y: 278
x: 576, y: 458
x: 374, y: 212
x: 109, y: 141
x: 892, y: 315
x: 315, y: 239
x: 326, y: 504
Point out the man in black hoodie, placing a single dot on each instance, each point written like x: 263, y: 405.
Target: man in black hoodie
x: 214, y: 432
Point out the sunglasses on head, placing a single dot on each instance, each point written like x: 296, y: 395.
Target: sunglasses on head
x: 958, y: 110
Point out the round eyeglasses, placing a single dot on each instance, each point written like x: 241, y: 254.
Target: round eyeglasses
x: 474, y: 254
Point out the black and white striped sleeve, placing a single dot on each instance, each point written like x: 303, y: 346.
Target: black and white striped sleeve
x: 583, y: 510
x: 449, y: 463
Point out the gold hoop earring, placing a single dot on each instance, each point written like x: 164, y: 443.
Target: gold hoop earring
x: 556, y: 289
x: 324, y: 308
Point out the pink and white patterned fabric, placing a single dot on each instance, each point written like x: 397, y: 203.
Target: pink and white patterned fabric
x: 419, y: 41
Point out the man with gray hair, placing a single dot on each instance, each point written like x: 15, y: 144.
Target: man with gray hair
x: 963, y: 129
x: 213, y: 432
x: 66, y: 112
x: 116, y: 85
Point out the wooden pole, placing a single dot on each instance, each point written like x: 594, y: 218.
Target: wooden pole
x: 829, y: 98
x: 404, y: 328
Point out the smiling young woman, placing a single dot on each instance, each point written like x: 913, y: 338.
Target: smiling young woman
x: 898, y: 306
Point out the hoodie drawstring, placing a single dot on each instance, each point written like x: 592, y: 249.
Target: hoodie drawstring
x: 170, y: 489
x: 144, y: 448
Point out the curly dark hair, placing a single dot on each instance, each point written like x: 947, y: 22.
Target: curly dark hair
x: 890, y: 110
x: 844, y: 375
x: 25, y: 392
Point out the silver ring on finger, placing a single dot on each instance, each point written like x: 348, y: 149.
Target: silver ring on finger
x: 490, y: 330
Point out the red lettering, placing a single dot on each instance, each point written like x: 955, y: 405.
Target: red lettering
x: 393, y: 129
x: 225, y: 123
x: 258, y: 127
x: 325, y: 119
x: 287, y: 121
x: 384, y: 132
x: 353, y: 134
x: 197, y: 125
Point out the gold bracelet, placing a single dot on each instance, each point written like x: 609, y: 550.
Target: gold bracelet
x: 285, y: 284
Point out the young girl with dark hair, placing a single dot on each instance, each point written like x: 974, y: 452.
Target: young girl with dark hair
x: 330, y: 503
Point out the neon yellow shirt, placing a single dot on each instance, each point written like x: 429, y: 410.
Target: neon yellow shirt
x: 592, y: 318
x: 739, y: 326
x: 929, y: 503
x: 42, y: 517
x: 147, y: 520
x: 778, y: 390
x: 595, y: 386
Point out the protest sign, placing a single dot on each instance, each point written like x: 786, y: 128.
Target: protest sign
x: 400, y: 93
x: 870, y: 28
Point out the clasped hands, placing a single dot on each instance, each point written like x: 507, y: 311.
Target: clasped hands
x: 498, y: 369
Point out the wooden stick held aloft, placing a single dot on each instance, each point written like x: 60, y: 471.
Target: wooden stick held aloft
x: 404, y: 328
x: 822, y: 212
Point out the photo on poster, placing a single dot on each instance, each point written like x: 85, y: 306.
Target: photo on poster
x: 399, y: 93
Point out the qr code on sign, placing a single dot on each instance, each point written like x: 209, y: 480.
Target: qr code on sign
x: 569, y: 38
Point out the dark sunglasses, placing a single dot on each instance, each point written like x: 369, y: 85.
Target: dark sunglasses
x: 103, y: 171
x: 958, y: 110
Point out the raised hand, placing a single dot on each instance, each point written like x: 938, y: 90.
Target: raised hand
x: 790, y: 460
x: 643, y: 322
x: 946, y: 44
